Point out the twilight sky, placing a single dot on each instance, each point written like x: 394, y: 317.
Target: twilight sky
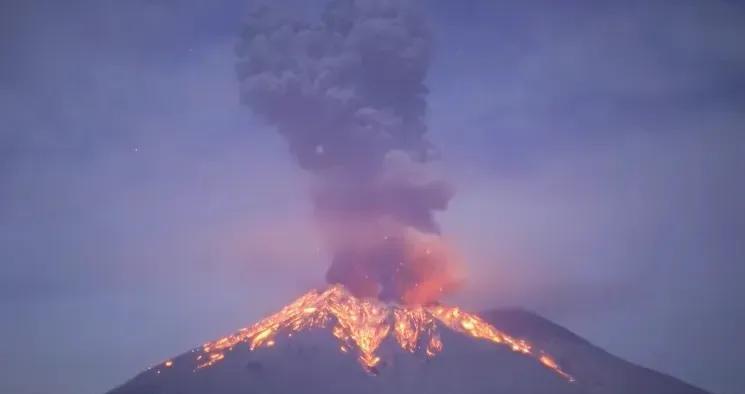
x: 597, y: 149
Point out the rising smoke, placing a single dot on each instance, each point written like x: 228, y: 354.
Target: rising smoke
x: 348, y: 95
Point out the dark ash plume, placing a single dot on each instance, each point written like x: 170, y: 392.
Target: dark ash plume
x: 348, y: 95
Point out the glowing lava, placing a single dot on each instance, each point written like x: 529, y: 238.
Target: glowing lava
x: 363, y: 324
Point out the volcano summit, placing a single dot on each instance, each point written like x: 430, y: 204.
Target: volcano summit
x: 361, y: 325
x: 309, y: 360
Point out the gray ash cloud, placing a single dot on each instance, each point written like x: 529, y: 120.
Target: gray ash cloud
x: 348, y: 95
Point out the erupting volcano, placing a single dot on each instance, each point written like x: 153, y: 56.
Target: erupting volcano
x: 361, y: 325
x: 348, y: 96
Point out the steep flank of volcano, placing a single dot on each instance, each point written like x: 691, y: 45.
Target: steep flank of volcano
x: 598, y: 370
x: 310, y: 362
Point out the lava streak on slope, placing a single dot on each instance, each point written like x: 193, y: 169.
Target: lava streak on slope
x: 362, y: 325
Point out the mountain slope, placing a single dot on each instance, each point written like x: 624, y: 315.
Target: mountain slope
x: 310, y: 362
x: 595, y: 369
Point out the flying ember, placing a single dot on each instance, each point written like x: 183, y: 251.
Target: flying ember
x: 362, y: 325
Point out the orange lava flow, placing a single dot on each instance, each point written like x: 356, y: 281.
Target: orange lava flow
x: 363, y: 324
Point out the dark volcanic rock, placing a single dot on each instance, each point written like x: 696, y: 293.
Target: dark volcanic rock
x: 310, y: 362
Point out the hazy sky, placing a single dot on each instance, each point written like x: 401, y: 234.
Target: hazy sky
x: 597, y: 149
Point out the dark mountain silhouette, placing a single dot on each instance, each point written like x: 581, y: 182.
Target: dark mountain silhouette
x: 310, y: 362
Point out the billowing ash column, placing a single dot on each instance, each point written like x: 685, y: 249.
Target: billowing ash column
x: 348, y: 95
